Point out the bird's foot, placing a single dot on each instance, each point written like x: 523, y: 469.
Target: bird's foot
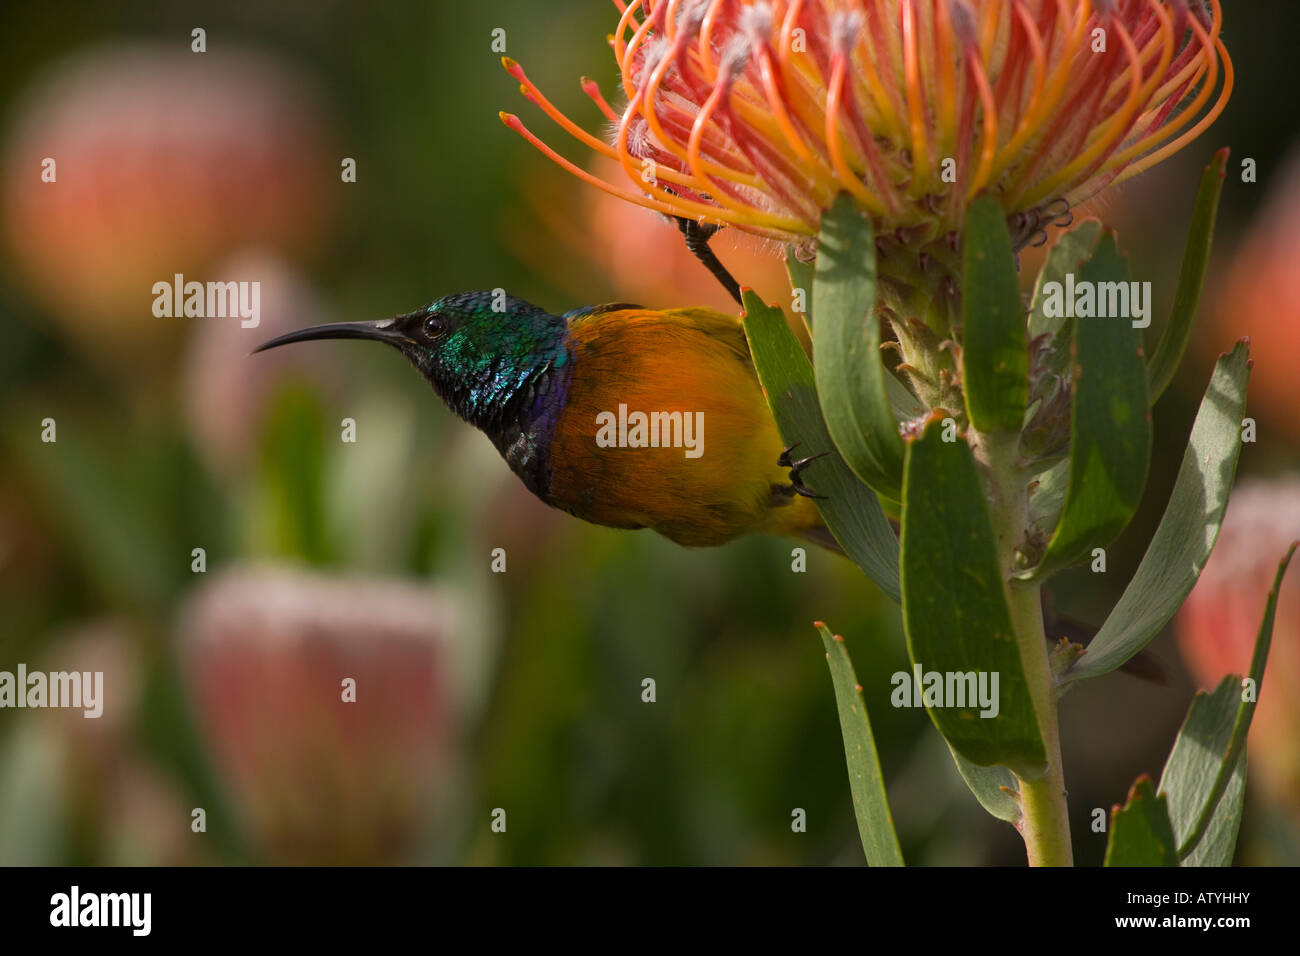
x: 797, y: 487
x: 697, y: 236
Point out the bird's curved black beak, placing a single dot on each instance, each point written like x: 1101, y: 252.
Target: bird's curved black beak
x: 381, y: 330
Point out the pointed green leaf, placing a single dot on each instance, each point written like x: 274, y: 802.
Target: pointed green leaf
x: 850, y: 509
x: 1110, y: 426
x: 1068, y: 255
x: 1211, y: 747
x: 954, y: 605
x: 870, y: 802
x: 994, y: 788
x: 1193, y: 767
x: 1219, y: 845
x: 1196, y: 257
x: 1140, y: 833
x: 846, y: 350
x: 994, y: 349
x: 1188, y: 530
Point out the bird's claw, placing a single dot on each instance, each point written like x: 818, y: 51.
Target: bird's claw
x: 796, y: 483
x: 697, y: 236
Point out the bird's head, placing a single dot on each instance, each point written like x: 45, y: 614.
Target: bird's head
x: 478, y: 350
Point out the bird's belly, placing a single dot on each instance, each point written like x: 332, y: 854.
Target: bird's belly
x: 694, y: 460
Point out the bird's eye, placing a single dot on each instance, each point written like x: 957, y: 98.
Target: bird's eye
x: 434, y: 326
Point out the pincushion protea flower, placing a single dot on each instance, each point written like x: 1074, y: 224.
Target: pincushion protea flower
x: 157, y: 173
x: 318, y: 778
x: 757, y: 113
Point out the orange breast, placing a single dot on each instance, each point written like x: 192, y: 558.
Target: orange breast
x: 683, y: 381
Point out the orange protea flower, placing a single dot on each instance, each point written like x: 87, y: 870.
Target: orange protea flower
x: 757, y: 113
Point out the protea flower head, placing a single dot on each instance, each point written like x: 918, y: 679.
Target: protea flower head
x: 757, y: 113
x: 316, y: 776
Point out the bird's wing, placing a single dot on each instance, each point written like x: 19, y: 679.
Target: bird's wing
x: 727, y: 329
x: 590, y: 311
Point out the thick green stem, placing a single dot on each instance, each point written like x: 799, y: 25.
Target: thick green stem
x: 1045, y: 821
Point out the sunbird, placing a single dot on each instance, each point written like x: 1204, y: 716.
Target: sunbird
x: 621, y: 415
x: 545, y: 387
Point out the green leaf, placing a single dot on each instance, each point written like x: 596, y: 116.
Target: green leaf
x: 1219, y: 844
x: 1188, y: 530
x: 1068, y: 255
x: 994, y: 350
x: 1191, y: 278
x: 1210, y: 752
x: 994, y: 788
x: 1193, y: 767
x: 870, y: 802
x: 1110, y: 427
x: 1140, y: 833
x: 850, y: 509
x: 954, y: 605
x: 846, y: 350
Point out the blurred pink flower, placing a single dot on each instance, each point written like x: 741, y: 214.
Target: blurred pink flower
x: 315, y: 778
x: 1217, y: 626
x: 226, y: 390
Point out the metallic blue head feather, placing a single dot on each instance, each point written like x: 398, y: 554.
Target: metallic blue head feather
x: 500, y: 363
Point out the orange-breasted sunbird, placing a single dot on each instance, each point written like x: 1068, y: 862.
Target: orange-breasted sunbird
x: 623, y: 416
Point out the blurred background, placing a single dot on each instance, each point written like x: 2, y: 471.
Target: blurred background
x: 322, y: 559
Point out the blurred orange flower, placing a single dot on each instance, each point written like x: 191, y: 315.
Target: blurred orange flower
x: 1260, y: 297
x: 163, y: 162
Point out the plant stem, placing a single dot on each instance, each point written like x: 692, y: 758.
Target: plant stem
x: 1045, y: 821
